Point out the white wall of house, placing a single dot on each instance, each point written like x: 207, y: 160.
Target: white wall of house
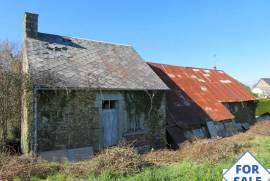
x: 262, y: 89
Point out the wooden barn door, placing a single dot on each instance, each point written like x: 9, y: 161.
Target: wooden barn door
x: 110, y: 122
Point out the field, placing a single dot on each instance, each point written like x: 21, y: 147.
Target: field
x: 263, y: 106
x: 197, y: 160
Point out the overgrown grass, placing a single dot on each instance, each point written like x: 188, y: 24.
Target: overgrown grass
x: 263, y: 106
x: 200, y: 160
x: 197, y: 160
x: 184, y: 171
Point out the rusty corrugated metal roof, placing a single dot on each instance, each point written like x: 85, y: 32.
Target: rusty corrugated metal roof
x: 200, y: 92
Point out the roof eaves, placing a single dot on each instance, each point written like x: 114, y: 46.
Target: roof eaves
x: 89, y: 88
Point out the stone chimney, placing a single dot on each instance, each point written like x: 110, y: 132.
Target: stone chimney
x: 30, y: 25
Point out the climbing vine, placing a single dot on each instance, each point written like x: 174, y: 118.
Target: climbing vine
x: 81, y: 115
x: 147, y: 103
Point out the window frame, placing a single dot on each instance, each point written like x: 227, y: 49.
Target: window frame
x: 111, y: 104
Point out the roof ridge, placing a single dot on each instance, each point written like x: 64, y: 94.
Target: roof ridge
x: 98, y: 41
x: 185, y: 66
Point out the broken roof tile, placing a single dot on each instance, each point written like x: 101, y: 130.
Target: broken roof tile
x: 88, y: 64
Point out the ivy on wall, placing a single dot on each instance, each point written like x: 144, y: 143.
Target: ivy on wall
x: 54, y: 132
x: 147, y: 103
x: 77, y: 129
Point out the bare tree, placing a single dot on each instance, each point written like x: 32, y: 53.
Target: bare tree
x: 10, y: 92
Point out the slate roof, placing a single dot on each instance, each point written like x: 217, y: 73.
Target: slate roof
x: 198, y: 94
x: 60, y: 61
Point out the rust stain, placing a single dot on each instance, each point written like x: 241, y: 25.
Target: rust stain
x: 198, y: 93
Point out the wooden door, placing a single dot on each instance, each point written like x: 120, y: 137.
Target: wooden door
x: 110, y: 122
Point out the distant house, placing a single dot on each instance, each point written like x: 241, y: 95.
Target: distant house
x: 262, y: 88
x: 204, y: 103
x: 87, y: 95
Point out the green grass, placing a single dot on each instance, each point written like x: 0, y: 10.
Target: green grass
x: 262, y: 149
x: 180, y: 171
x: 263, y: 106
x: 183, y: 171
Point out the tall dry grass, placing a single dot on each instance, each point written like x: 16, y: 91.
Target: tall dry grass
x: 211, y: 150
x: 126, y: 160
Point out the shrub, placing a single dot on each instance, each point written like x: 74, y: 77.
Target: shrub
x: 25, y: 168
x: 10, y: 95
x: 123, y: 159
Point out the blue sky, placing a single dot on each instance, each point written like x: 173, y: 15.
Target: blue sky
x: 233, y: 35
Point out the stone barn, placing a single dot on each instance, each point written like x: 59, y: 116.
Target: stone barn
x: 83, y: 96
x: 204, y: 103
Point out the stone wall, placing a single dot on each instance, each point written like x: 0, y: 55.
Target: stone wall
x: 73, y: 119
x: 30, y: 24
x: 27, y: 121
x: 67, y: 119
x: 151, y: 107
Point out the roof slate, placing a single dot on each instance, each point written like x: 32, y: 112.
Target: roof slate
x: 60, y: 61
